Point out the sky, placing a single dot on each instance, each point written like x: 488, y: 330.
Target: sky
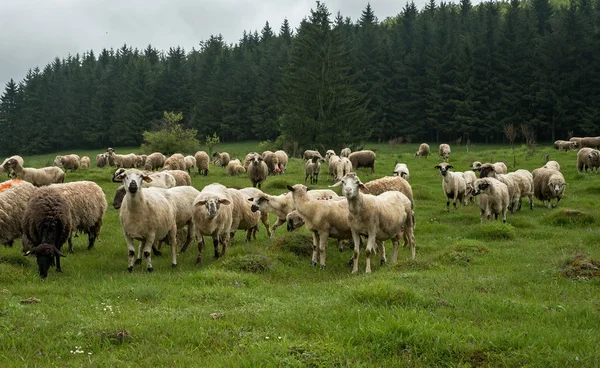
x: 34, y: 32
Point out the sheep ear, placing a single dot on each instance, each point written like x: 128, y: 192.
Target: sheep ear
x: 336, y: 184
x: 290, y: 188
x: 251, y: 199
x: 449, y: 167
x: 437, y: 167
x: 146, y: 178
x: 201, y: 203
x: 363, y: 188
x: 119, y: 178
x: 224, y: 201
x: 29, y: 252
x: 58, y: 252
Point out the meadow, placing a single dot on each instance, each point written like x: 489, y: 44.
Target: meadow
x: 524, y: 293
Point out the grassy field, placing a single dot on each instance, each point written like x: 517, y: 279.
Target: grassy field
x: 519, y: 294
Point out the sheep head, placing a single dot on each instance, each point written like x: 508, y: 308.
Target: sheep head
x: 481, y: 186
x: 476, y: 166
x: 132, y: 180
x: 351, y: 185
x: 212, y: 205
x: 487, y: 170
x: 556, y: 185
x: 444, y: 168
x: 258, y: 203
x: 45, y: 254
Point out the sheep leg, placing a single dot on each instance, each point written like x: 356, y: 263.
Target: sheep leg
x: 324, y: 236
x: 409, y: 233
x: 370, y: 249
x: 356, y: 239
x: 277, y: 223
x: 70, y: 240
x: 224, y: 243
x: 139, y: 256
x: 248, y: 235
x: 155, y: 249
x: 188, y: 238
x: 315, y: 253
x: 264, y: 218
x: 381, y: 246
x: 57, y: 259
x: 147, y: 250
x: 200, y: 247
x: 173, y: 241
x: 131, y: 249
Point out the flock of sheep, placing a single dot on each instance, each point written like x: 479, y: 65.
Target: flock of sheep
x: 45, y: 212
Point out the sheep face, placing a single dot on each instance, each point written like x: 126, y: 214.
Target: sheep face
x: 258, y: 203
x: 594, y: 156
x: 328, y: 154
x: 132, y: 180
x: 557, y: 186
x: 481, y: 186
x: 444, y: 168
x: 476, y: 166
x: 45, y: 254
x: 58, y: 161
x: 256, y: 160
x: 118, y: 199
x: 212, y: 205
x: 117, y: 174
x: 486, y: 170
x: 294, y: 221
x: 351, y: 184
x: 574, y: 145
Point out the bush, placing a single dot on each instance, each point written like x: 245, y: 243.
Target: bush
x: 170, y: 136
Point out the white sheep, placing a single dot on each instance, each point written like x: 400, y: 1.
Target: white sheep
x: 514, y: 190
x: 14, y: 195
x: 160, y: 179
x: 453, y: 184
x: 588, y: 158
x: 283, y: 160
x: 243, y: 218
x: 548, y: 184
x: 213, y: 214
x: 386, y: 216
x: 388, y: 184
x: 234, y: 167
x: 250, y: 193
x: 309, y: 154
x: 444, y: 151
x: 552, y: 165
x: 67, y: 162
x: 524, y: 180
x: 423, y: 150
x: 181, y: 177
x: 175, y: 162
x: 257, y: 171
x: 221, y: 159
x: 2, y: 169
x: 496, y: 201
x: 401, y: 170
x: 182, y: 200
x: 37, y: 177
x: 364, y: 158
x: 470, y: 178
x: 190, y: 164
x: 85, y: 162
x: 332, y: 166
x: 125, y: 161
x: 345, y: 152
x: 312, y: 169
x: 154, y: 161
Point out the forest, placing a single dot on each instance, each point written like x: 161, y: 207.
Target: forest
x: 445, y: 72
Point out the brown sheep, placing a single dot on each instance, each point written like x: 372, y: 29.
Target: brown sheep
x: 423, y: 150
x: 202, y: 160
x: 364, y: 158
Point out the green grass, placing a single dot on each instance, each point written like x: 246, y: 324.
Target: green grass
x: 523, y: 293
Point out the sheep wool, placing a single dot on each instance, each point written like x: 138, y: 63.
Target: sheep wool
x: 14, y: 195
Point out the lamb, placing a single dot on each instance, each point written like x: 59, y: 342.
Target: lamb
x: 524, y: 180
x: 221, y: 159
x: 401, y: 170
x: 552, y: 165
x: 514, y: 190
x: 248, y: 159
x: 423, y: 150
x: 14, y: 195
x: 588, y: 158
x: 345, y: 152
x: 212, y: 216
x: 272, y: 162
x: 155, y: 161
x: 87, y: 205
x: 257, y: 171
x: 562, y: 145
x: 202, y: 160
x: 386, y: 216
x: 283, y: 204
x: 444, y: 151
x: 159, y: 180
x: 388, y: 184
x: 101, y: 160
x: 85, y: 162
x: 309, y: 154
x: 548, y: 184
x: 312, y: 169
x: 283, y: 160
x: 364, y: 158
x: 68, y: 162
x: 190, y: 164
x: 497, y: 200
x: 470, y: 178
x: 323, y: 218
x: 37, y: 177
x: 453, y: 184
x: 175, y: 162
x: 10, y: 174
x: 182, y: 177
x: 124, y: 161
x: 46, y: 227
x: 234, y: 167
x: 146, y: 215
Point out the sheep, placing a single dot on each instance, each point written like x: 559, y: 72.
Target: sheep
x: 364, y: 158
x: 346, y: 166
x: 14, y: 195
x: 312, y: 169
x: 202, y: 160
x: 470, y: 178
x: 499, y: 167
x: 588, y: 158
x: 85, y: 162
x: 497, y: 200
x: 101, y: 160
x: 562, y: 145
x: 423, y: 150
x: 575, y: 142
x: 212, y: 216
x: 46, y: 227
x: 328, y: 154
x: 283, y: 160
x: 524, y: 180
x: 182, y: 177
x: 87, y: 205
x: 294, y: 220
x: 332, y: 167
x: 175, y: 162
x: 386, y: 216
x: 401, y: 170
x: 124, y: 161
x: 552, y: 165
x: 453, y: 184
x: 190, y: 164
x: 323, y: 218
x: 250, y: 193
x: 248, y: 159
x: 257, y: 171
x: 283, y: 204
x: 345, y: 152
x: 590, y: 142
x: 10, y: 174
x: 147, y: 215
x: 548, y: 184
x: 68, y: 162
x: 154, y: 161
x: 221, y: 159
x: 514, y: 190
x: 243, y: 218
x: 272, y: 162
x: 159, y: 180
x: 444, y: 151
x: 140, y: 161
x: 234, y: 167
x: 309, y: 154
x: 37, y: 177
x: 182, y: 199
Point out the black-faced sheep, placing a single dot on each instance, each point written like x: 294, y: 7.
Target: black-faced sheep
x: 423, y: 150
x: 46, y: 227
x: 498, y: 168
x: 101, y: 160
x: 202, y: 161
x: 257, y: 171
x: 14, y: 195
x: 37, y: 177
x: 453, y: 184
x: 364, y: 158
x: 401, y: 170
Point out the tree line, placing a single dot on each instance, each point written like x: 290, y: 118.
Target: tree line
x: 445, y: 72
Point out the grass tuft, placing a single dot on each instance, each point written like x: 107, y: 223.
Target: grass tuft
x: 580, y: 266
x: 494, y: 231
x: 380, y: 293
x: 275, y: 184
x: 15, y: 259
x: 463, y: 252
x: 114, y: 337
x: 570, y: 218
x: 301, y: 244
x: 254, y: 263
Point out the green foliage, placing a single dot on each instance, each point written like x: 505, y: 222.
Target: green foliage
x: 495, y: 231
x: 571, y: 218
x: 211, y: 142
x: 170, y: 137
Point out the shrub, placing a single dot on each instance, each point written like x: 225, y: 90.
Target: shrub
x: 170, y: 136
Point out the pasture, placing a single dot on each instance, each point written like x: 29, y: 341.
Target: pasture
x: 525, y: 293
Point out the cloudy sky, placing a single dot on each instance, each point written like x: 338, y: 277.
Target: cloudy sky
x: 34, y: 32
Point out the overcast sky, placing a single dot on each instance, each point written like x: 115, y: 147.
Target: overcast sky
x: 34, y: 32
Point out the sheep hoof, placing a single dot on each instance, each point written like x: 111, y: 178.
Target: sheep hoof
x: 322, y: 267
x: 156, y: 252
x: 71, y: 251
x: 383, y: 262
x: 351, y: 262
x: 138, y: 261
x: 198, y: 260
x: 150, y: 269
x: 313, y: 263
x: 59, y: 270
x: 130, y: 269
x: 174, y: 265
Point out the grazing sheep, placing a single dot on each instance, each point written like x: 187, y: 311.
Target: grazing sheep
x: 147, y: 215
x: 283, y: 160
x: 257, y: 171
x: 312, y: 169
x: 386, y: 216
x: 14, y: 195
x: 212, y: 216
x: 548, y: 184
x: 46, y: 227
x: 552, y: 165
x: 101, y: 160
x: 87, y: 205
x: 248, y: 159
x: 470, y: 178
x: 221, y: 159
x: 309, y: 154
x: 85, y: 162
x: 588, y: 158
x: 389, y: 184
x: 182, y: 177
x: 202, y: 161
x: 345, y: 152
x: 401, y: 170
x: 524, y: 180
x: 563, y: 145
x: 37, y: 177
x: 140, y: 161
x: 68, y: 162
x: 10, y: 174
x: 423, y: 150
x: 234, y: 167
x: 294, y: 220
x: 190, y: 164
x: 444, y: 151
x: 155, y: 161
x: 272, y: 162
x: 453, y: 184
x: 125, y: 161
x: 364, y: 158
x: 175, y: 162
x: 160, y: 179
x: 497, y: 198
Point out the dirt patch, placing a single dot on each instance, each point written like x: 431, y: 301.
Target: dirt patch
x: 580, y: 266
